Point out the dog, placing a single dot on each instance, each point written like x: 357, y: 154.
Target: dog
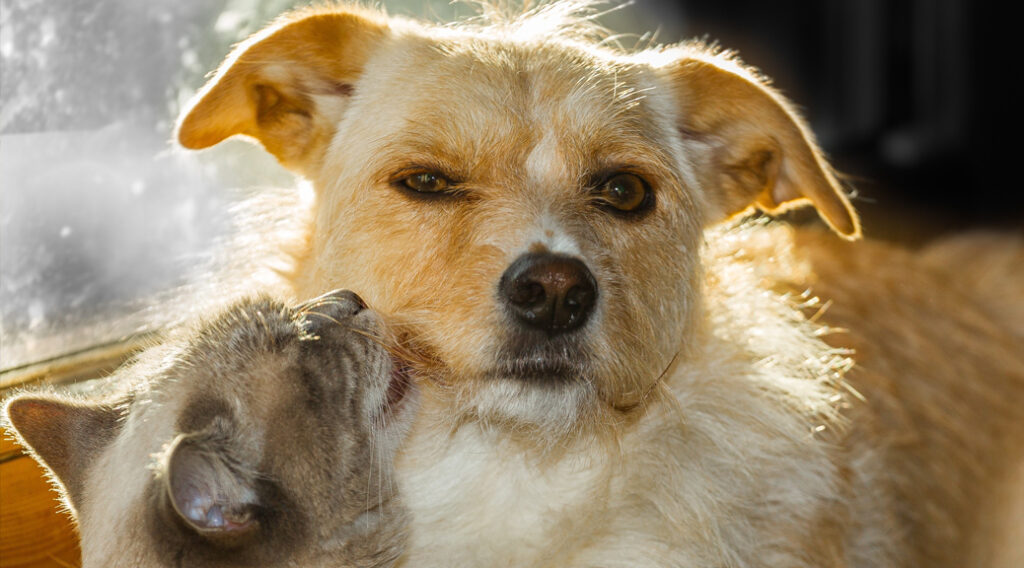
x: 263, y: 436
x: 619, y: 369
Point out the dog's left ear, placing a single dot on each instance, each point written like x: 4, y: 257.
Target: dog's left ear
x: 286, y: 86
x: 762, y: 153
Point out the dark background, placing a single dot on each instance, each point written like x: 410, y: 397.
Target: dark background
x: 911, y: 99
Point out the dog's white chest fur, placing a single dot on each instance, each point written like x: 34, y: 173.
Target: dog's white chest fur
x: 476, y: 503
x: 668, y: 494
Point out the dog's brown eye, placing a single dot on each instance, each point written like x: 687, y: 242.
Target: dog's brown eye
x: 625, y: 192
x: 426, y: 182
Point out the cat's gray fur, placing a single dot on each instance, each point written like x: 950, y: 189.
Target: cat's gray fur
x: 263, y: 438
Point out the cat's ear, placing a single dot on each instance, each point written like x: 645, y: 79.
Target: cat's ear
x: 209, y: 491
x: 64, y: 435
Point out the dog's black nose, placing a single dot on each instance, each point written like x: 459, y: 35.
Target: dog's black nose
x: 550, y: 292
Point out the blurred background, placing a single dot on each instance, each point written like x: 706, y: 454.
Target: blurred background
x: 99, y: 212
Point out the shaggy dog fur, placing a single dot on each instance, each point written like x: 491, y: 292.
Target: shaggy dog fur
x: 740, y: 395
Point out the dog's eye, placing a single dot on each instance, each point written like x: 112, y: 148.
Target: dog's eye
x: 625, y: 192
x: 426, y: 182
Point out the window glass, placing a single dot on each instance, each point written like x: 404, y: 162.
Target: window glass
x: 98, y: 210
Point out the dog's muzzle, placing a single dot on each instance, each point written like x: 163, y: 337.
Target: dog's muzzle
x: 548, y: 292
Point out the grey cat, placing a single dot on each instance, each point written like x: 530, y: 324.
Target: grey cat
x: 264, y: 437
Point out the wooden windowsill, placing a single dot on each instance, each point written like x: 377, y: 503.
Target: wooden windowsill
x: 34, y: 532
x: 91, y: 363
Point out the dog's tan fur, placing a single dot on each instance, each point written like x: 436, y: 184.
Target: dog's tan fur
x: 710, y: 424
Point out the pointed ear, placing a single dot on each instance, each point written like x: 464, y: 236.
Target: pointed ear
x: 287, y: 85
x: 208, y: 491
x: 763, y: 154
x: 64, y: 435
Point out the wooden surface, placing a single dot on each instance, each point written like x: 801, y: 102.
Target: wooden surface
x: 93, y: 362
x: 33, y: 532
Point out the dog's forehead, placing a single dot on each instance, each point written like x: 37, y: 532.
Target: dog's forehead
x: 472, y: 98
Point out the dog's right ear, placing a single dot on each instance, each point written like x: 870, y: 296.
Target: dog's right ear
x: 763, y: 155
x: 286, y: 85
x: 66, y: 436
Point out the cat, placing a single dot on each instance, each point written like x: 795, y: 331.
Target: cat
x: 262, y: 437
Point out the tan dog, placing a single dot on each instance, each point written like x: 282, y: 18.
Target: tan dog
x: 620, y: 380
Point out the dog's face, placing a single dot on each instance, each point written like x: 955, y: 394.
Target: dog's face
x: 530, y: 203
x: 516, y: 229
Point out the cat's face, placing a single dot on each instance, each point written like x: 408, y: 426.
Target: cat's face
x: 267, y: 440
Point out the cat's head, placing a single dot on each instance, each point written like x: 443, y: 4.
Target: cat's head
x: 266, y: 438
